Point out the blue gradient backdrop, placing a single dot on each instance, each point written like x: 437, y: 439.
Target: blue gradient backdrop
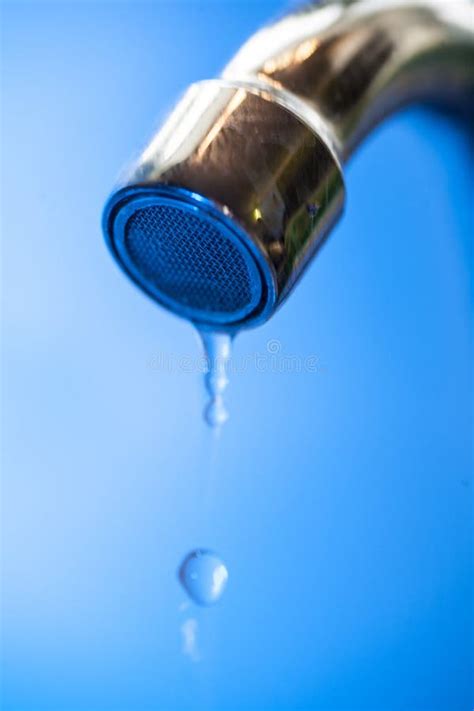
x: 340, y: 499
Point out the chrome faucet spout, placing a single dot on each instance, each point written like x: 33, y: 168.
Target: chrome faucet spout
x: 233, y: 197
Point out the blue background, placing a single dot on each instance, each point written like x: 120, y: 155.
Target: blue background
x: 340, y: 499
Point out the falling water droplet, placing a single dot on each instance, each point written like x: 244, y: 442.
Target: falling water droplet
x: 217, y: 348
x: 204, y: 576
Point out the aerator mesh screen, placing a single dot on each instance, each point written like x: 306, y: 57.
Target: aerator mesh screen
x: 189, y: 260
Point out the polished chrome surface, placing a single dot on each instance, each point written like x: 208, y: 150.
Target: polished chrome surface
x: 356, y: 61
x: 260, y: 163
x: 265, y: 143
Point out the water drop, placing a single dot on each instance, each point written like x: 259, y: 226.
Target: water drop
x: 217, y: 348
x: 215, y: 412
x: 204, y: 576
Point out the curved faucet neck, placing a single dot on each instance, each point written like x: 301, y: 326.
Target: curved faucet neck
x: 354, y: 63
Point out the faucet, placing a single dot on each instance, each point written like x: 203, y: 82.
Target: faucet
x: 233, y: 197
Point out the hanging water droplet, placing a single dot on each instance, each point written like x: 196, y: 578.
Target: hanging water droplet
x: 217, y: 348
x: 215, y: 412
x: 204, y: 576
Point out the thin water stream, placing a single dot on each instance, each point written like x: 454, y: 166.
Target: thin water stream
x: 217, y: 348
